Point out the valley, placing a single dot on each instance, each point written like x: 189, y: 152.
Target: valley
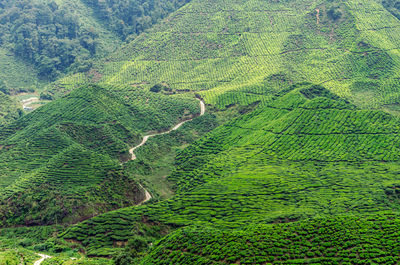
x: 199, y: 132
x: 176, y: 127
x: 147, y: 137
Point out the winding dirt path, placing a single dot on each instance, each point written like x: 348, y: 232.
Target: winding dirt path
x: 147, y: 137
x: 176, y: 127
x: 147, y: 195
x: 43, y: 257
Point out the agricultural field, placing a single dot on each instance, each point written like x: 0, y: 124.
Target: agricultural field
x: 337, y: 240
x: 156, y: 159
x: 72, y: 149
x: 21, y: 245
x: 17, y: 256
x: 296, y: 160
x: 9, y: 110
x: 10, y: 74
x: 241, y: 52
x: 307, y: 154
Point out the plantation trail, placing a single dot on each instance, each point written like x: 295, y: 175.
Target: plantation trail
x: 27, y: 102
x: 147, y: 137
x: 176, y: 127
x: 147, y: 195
x: 317, y: 15
x: 43, y: 257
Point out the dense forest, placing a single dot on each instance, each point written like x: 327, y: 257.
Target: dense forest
x: 52, y: 37
x: 128, y: 17
x: 45, y: 35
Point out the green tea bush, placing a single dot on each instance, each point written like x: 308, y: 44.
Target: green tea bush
x: 294, y: 158
x: 72, y: 148
x: 248, y: 51
x: 338, y: 240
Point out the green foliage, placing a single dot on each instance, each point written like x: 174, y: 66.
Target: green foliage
x: 9, y: 110
x: 16, y: 256
x: 318, y: 91
x: 9, y: 258
x: 127, y: 17
x: 83, y: 183
x: 393, y: 6
x: 156, y: 159
x: 45, y: 35
x: 135, y: 248
x: 126, y: 257
x: 240, y: 55
x: 159, y: 87
x: 23, y: 242
x: 49, y: 38
x: 307, y: 150
x: 4, y: 88
x: 307, y: 153
x: 334, y: 14
x: 11, y: 69
x: 339, y: 240
x: 27, y: 237
x: 71, y: 149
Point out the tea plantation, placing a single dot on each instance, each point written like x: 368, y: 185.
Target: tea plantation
x: 306, y: 154
x: 239, y: 52
x: 296, y: 160
x: 9, y: 110
x: 16, y: 257
x: 47, y: 39
x: 71, y: 149
x: 339, y: 240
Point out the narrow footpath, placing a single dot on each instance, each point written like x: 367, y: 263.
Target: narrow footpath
x: 43, y: 257
x: 147, y: 137
x: 176, y: 127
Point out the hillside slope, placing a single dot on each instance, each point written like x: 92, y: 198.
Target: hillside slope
x: 306, y: 154
x: 242, y: 51
x: 339, y: 240
x: 316, y: 145
x: 71, y: 149
x: 47, y: 39
x: 9, y: 110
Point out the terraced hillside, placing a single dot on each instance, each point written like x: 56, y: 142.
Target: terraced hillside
x: 339, y: 240
x: 62, y: 162
x: 306, y: 172
x: 305, y: 154
x: 238, y: 52
x: 11, y: 80
x: 15, y: 257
